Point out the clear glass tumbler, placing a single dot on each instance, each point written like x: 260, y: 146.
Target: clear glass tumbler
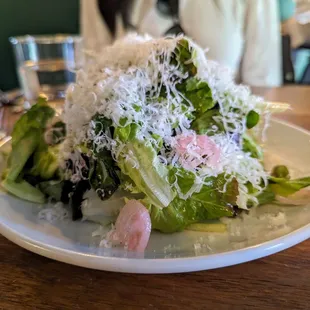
x: 46, y: 65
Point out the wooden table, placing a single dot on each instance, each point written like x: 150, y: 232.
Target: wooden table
x: 281, y: 281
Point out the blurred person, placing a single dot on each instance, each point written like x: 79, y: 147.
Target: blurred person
x: 290, y: 38
x: 295, y: 29
x: 241, y: 34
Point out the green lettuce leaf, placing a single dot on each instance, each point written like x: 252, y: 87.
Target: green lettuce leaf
x: 183, y: 57
x: 21, y: 152
x: 177, y: 216
x: 23, y: 190
x: 45, y: 162
x: 204, y: 122
x: 250, y: 146
x: 143, y: 167
x: 28, y: 150
x: 52, y: 188
x: 200, y: 95
x: 104, y: 180
x: 35, y: 118
x: 184, y: 179
x: 27, y: 136
x: 266, y: 196
x: 103, y: 171
x: 196, y: 91
x: 210, y: 203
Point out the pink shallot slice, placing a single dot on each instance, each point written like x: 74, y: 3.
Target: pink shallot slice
x: 194, y: 150
x: 133, y: 227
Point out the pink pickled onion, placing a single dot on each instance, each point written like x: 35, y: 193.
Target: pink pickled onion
x: 195, y: 150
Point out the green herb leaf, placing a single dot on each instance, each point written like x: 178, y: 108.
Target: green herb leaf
x: 285, y: 187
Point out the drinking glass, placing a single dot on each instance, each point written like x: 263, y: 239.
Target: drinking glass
x: 46, y: 64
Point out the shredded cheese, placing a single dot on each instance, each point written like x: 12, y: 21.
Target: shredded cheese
x: 125, y: 82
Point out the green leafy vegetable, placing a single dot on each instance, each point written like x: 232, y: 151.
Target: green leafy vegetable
x: 147, y: 173
x: 21, y: 152
x: 45, y: 162
x: 199, y: 94
x: 183, y: 56
x: 122, y: 133
x: 27, y: 135
x: 158, y: 142
x: 30, y: 153
x: 279, y: 183
x: 104, y: 179
x: 143, y: 167
x: 196, y: 91
x: 177, y: 216
x: 219, y: 191
x: 101, y: 123
x: 210, y: 203
x: 267, y: 196
x: 285, y: 187
x: 205, y: 121
x: 250, y: 146
x: 184, y: 179
x: 35, y: 118
x: 24, y: 190
x: 52, y: 188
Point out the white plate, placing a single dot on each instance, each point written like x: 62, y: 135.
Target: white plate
x: 72, y: 242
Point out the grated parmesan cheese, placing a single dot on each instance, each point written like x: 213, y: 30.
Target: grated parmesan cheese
x: 53, y: 213
x: 124, y: 83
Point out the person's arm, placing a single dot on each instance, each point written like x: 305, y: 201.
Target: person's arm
x: 261, y: 63
x: 289, y: 25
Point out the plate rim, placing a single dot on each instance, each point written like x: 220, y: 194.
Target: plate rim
x: 158, y: 265
x: 162, y: 265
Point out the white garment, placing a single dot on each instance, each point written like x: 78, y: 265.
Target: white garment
x: 241, y: 34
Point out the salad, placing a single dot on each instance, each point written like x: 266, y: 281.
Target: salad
x: 155, y: 121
